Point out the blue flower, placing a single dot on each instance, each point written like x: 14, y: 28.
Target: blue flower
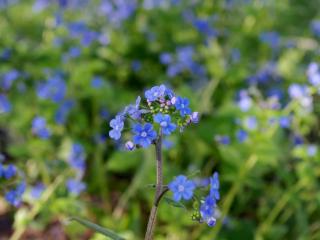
x: 313, y: 74
x: 37, y: 190
x: 245, y: 101
x: 241, y: 135
x: 165, y: 58
x: 251, y: 123
x: 75, y: 187
x: 77, y: 157
x: 312, y: 150
x: 222, y: 139
x: 270, y: 38
x: 63, y: 111
x: 214, y: 186
x: 134, y: 111
x: 315, y: 27
x: 14, y: 196
x: 284, y: 121
x: 144, y: 134
x: 165, y: 123
x: 97, y: 82
x: 8, y: 79
x: 182, y: 104
x: 207, y: 208
x: 10, y: 171
x: 39, y: 128
x: 117, y: 125
x: 54, y: 89
x: 155, y: 93
x: 5, y: 105
x: 182, y: 188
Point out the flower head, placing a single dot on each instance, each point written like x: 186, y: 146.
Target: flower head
x: 182, y: 188
x: 144, y: 134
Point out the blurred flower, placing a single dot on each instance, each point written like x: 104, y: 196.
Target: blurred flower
x: 14, y: 196
x: 39, y: 128
x: 8, y: 78
x: 117, y: 11
x: 182, y: 188
x: 77, y: 157
x: 315, y: 27
x: 5, y: 105
x: 144, y: 134
x: 54, y: 89
x: 75, y: 187
x: 97, y: 82
x: 9, y: 172
x: 165, y: 58
x: 245, y: 101
x: 136, y: 65
x: 251, y: 123
x: 37, y: 190
x: 63, y: 111
x: 270, y: 38
x: 302, y: 94
x: 313, y: 74
x: 241, y: 135
x: 222, y: 139
x: 285, y: 121
x: 214, y: 186
x: 312, y: 150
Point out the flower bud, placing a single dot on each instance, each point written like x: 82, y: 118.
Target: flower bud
x: 194, y: 117
x: 130, y: 146
x: 173, y: 100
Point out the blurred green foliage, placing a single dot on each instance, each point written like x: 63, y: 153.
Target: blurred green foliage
x: 269, y: 185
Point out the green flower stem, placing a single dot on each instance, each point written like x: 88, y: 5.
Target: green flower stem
x: 160, y: 191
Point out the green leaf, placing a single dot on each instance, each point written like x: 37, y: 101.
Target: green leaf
x: 174, y: 203
x: 97, y: 228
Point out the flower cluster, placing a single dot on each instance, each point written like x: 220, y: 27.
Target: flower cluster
x: 205, y: 208
x: 76, y: 161
x: 160, y: 112
x: 8, y: 177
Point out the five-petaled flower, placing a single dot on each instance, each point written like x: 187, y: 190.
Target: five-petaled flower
x: 144, y: 134
x: 182, y: 104
x: 182, y: 188
x: 165, y: 123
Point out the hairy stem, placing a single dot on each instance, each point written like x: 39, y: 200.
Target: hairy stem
x: 159, y: 190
